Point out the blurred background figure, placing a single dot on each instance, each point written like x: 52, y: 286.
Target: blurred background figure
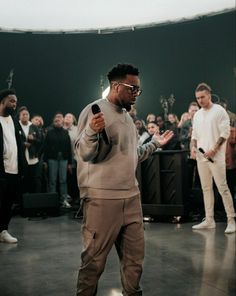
x: 142, y: 131
x: 173, y: 119
x: 70, y: 124
x: 152, y: 127
x: 230, y: 151
x: 133, y: 112
x: 174, y: 143
x: 32, y: 144
x: 184, y: 117
x: 186, y: 128
x: 38, y: 121
x: 151, y: 117
x: 58, y: 158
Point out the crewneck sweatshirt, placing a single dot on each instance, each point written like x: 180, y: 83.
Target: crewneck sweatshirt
x: 107, y: 171
x: 208, y: 126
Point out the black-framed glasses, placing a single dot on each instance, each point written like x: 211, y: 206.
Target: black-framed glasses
x: 134, y: 88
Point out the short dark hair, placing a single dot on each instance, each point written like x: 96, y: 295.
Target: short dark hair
x: 193, y: 104
x: 120, y: 71
x: 203, y: 86
x: 6, y: 92
x: 22, y: 108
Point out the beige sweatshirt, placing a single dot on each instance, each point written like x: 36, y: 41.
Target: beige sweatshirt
x: 108, y: 171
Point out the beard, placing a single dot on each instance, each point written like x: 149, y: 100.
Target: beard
x: 127, y: 107
x: 10, y: 111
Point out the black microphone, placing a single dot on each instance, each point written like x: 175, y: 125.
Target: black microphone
x: 96, y: 109
x: 202, y: 151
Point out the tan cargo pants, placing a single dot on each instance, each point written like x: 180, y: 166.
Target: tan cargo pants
x: 108, y: 222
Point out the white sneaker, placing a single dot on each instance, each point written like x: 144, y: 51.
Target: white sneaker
x: 65, y: 204
x: 231, y: 226
x: 5, y: 237
x: 206, y: 224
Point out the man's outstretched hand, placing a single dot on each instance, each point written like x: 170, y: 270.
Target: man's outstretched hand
x: 164, y: 138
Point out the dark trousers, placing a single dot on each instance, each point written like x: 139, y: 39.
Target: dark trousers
x: 9, y: 191
x: 231, y: 180
x: 31, y: 182
x: 73, y: 189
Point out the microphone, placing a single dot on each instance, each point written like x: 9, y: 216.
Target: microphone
x: 202, y: 151
x: 96, y: 109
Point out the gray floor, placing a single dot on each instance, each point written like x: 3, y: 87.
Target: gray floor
x: 178, y: 262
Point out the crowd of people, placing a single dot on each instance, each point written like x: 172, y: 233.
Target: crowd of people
x: 34, y: 158
x: 77, y: 161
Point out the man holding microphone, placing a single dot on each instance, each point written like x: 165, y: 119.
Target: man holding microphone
x: 108, y: 154
x: 210, y: 131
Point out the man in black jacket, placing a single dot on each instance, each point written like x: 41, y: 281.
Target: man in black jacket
x: 32, y: 140
x: 11, y: 161
x: 58, y: 158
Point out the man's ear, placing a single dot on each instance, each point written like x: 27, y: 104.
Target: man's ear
x: 114, y: 86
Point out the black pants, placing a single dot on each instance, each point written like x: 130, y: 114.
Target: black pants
x: 31, y: 182
x: 9, y: 191
x: 231, y: 180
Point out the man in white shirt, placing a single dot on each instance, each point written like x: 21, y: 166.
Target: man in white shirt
x: 210, y: 132
x: 11, y: 161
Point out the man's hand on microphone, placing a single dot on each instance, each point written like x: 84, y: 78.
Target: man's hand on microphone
x: 210, y: 153
x: 97, y: 122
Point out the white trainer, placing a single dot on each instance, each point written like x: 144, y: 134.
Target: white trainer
x: 206, y: 224
x: 66, y: 205
x: 231, y: 226
x: 5, y: 237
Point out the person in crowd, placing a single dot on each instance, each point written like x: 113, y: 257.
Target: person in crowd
x: 173, y: 119
x: 230, y: 151
x: 111, y: 201
x: 210, y: 132
x: 32, y: 143
x: 133, y: 112
x: 11, y: 161
x: 184, y: 117
x: 59, y: 115
x: 38, y: 121
x: 70, y: 124
x: 174, y: 143
x: 152, y: 128
x: 142, y: 132
x: 232, y: 116
x: 193, y: 204
x: 231, y: 161
x: 186, y: 129
x: 58, y: 158
x: 151, y: 117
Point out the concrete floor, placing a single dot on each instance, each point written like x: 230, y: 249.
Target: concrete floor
x: 178, y: 262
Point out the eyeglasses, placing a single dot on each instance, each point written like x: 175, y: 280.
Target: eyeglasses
x: 134, y: 88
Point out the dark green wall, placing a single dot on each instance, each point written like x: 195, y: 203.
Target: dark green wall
x: 62, y: 71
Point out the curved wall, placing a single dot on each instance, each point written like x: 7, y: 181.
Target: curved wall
x: 62, y: 72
